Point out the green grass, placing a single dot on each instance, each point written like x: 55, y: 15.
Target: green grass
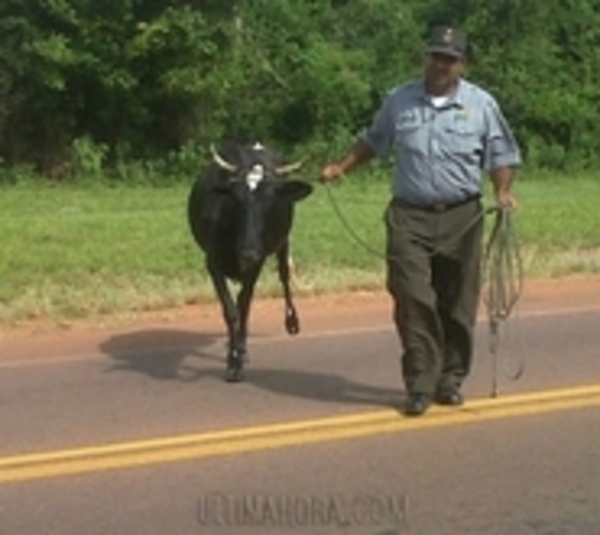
x: 68, y: 252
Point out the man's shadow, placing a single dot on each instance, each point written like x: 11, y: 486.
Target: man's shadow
x: 183, y: 355
x: 325, y: 387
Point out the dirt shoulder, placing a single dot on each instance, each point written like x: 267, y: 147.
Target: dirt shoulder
x: 43, y: 339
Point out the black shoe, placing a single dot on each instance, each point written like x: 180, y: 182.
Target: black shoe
x: 416, y: 404
x: 450, y: 396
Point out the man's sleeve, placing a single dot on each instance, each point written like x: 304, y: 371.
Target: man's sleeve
x: 380, y: 134
x: 501, y: 148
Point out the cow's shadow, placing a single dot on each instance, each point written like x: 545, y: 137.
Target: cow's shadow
x: 160, y: 353
x: 166, y: 354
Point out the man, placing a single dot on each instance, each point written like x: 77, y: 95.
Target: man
x: 444, y: 132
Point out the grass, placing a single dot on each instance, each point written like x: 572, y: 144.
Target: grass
x: 70, y: 252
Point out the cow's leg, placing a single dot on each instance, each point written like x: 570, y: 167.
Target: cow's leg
x: 292, y: 324
x: 231, y: 315
x: 244, y: 303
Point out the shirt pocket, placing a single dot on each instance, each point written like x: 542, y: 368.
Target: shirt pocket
x: 463, y: 138
x: 410, y: 137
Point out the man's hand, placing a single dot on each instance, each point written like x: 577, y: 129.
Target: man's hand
x: 331, y: 173
x: 503, y: 178
x: 507, y: 200
x: 359, y: 154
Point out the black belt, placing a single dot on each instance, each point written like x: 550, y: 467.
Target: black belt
x: 439, y: 207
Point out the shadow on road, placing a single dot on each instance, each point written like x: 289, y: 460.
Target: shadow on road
x: 182, y: 355
x: 159, y: 353
x: 323, y: 387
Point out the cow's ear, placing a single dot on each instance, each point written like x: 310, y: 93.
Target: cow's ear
x: 295, y: 190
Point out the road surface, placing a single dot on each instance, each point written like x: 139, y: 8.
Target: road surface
x: 128, y: 428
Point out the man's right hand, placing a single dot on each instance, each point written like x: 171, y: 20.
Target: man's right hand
x: 331, y: 173
x: 358, y: 155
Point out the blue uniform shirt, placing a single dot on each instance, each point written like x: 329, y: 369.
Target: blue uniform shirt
x: 441, y: 151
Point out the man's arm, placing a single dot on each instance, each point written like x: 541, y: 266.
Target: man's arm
x: 360, y: 153
x: 502, y: 178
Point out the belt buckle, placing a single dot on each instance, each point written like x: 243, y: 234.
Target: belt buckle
x: 439, y: 207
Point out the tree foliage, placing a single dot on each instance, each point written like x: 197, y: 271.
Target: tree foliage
x: 122, y: 81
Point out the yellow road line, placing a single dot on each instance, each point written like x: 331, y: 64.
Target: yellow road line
x: 196, y: 446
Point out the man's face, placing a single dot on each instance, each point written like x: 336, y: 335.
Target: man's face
x: 442, y: 72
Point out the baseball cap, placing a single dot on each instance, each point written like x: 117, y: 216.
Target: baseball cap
x: 447, y: 40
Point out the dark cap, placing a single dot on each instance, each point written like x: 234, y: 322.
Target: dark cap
x: 447, y: 40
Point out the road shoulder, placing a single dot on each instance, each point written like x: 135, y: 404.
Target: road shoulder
x: 41, y: 339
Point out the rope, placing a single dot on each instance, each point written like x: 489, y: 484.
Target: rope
x: 349, y: 228
x: 378, y: 253
x: 502, y: 274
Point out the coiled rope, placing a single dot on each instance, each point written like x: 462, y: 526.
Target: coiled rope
x: 502, y: 276
x: 503, y: 279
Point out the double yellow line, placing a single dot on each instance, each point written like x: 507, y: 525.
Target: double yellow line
x: 243, y: 440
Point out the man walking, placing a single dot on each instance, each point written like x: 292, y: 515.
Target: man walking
x: 444, y: 131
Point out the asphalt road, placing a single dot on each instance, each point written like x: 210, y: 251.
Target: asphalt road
x: 143, y: 436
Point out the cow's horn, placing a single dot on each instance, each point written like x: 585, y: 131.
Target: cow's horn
x: 221, y: 162
x: 290, y: 168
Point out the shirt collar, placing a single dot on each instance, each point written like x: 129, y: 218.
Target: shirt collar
x: 456, y: 98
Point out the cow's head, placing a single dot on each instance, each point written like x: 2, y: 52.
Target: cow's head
x: 262, y: 197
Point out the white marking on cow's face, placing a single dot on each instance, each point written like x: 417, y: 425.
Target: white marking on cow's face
x: 258, y: 146
x: 255, y: 176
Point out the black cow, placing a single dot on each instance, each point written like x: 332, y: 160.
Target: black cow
x: 241, y: 211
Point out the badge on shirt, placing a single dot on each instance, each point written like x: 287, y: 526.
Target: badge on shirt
x: 462, y: 113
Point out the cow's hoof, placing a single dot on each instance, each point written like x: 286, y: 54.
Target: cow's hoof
x: 235, y: 366
x: 234, y: 374
x: 292, y: 324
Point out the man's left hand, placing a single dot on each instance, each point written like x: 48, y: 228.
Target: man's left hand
x: 507, y: 200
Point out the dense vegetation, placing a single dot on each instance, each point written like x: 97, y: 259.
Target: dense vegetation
x: 102, y: 93
x: 137, y: 89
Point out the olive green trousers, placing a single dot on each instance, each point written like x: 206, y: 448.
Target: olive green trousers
x: 433, y: 275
